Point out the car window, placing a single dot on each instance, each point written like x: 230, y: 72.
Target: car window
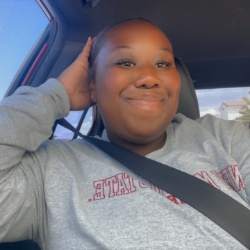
x: 21, y: 25
x: 81, y: 120
x: 225, y: 103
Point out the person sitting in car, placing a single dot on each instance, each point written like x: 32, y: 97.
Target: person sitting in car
x: 71, y: 195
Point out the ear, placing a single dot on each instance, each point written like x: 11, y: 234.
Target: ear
x: 92, y: 91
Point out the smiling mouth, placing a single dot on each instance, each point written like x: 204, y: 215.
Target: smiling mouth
x: 149, y: 99
x: 147, y: 102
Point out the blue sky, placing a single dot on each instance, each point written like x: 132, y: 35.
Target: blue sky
x: 21, y: 24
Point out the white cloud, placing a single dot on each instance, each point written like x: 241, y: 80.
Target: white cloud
x: 211, y: 111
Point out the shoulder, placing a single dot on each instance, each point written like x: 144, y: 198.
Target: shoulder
x: 217, y: 127
x: 208, y: 122
x: 70, y: 149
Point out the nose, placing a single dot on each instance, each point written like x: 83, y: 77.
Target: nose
x: 147, y: 78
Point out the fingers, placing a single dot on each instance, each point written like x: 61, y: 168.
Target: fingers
x: 74, y: 79
x: 86, y: 50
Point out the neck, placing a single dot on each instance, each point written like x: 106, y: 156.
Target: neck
x: 142, y: 148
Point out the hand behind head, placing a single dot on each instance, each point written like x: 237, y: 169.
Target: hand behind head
x: 75, y: 80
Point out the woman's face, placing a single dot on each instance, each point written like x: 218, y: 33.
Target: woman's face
x: 136, y: 83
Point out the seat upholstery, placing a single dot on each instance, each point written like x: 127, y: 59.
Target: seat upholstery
x: 188, y: 103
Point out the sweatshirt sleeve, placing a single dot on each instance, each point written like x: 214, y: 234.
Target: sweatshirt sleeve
x: 241, y: 153
x: 26, y: 121
x: 235, y: 139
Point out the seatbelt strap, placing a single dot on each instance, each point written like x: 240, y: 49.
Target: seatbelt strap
x: 229, y: 214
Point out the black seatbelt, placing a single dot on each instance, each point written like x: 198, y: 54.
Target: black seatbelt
x: 229, y: 214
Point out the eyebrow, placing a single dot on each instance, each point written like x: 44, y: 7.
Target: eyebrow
x: 129, y: 47
x: 121, y: 47
x: 167, y: 49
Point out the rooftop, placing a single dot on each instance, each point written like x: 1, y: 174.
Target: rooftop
x: 236, y: 103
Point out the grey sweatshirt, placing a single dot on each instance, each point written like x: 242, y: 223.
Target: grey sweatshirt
x: 70, y: 195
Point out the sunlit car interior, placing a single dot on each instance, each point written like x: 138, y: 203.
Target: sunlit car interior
x: 211, y: 41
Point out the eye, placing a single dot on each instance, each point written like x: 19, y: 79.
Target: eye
x: 163, y: 64
x: 126, y: 63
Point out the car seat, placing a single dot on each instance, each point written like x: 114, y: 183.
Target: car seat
x: 188, y: 103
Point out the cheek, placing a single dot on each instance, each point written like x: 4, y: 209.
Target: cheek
x: 110, y: 83
x: 107, y: 91
x: 176, y: 84
x: 171, y: 82
x: 109, y: 88
x: 177, y: 89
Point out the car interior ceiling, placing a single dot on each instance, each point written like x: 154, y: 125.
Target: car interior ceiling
x: 211, y: 37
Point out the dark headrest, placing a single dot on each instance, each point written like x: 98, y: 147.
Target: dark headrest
x: 188, y: 103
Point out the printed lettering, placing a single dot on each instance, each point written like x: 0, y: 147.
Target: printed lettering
x: 203, y: 175
x: 122, y: 188
x: 99, y: 190
x: 237, y: 181
x: 110, y: 183
x: 131, y: 183
x: 175, y: 199
x: 156, y: 189
x: 123, y: 184
x: 220, y: 179
x: 232, y: 176
x: 142, y: 185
